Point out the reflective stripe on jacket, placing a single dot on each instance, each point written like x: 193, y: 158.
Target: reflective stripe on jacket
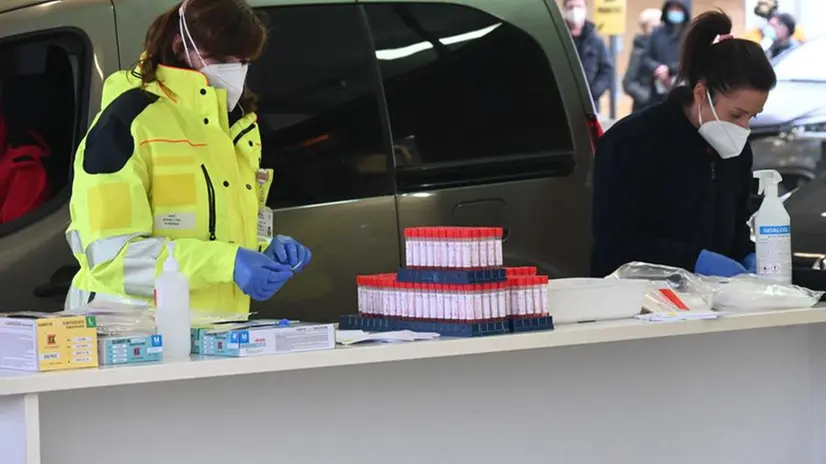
x: 162, y: 163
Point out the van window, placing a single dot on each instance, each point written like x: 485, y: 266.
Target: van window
x: 320, y: 108
x: 471, y: 99
x: 42, y: 85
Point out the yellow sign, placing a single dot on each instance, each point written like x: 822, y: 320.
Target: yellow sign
x: 609, y: 16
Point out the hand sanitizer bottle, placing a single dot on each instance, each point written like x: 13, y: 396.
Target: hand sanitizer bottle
x: 172, y: 308
x: 772, y: 231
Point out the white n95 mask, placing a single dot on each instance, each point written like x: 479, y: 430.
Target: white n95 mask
x: 228, y: 76
x: 576, y: 15
x: 727, y: 139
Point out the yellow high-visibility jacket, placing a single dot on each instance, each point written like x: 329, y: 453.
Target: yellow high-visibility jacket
x: 162, y: 163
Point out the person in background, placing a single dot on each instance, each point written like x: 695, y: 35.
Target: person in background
x: 661, y: 55
x: 596, y: 61
x: 174, y: 156
x: 764, y: 33
x: 637, y: 83
x: 784, y: 27
x: 672, y: 182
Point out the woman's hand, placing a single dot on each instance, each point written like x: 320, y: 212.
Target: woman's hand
x: 288, y: 251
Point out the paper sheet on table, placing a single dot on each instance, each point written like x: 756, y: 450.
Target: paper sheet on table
x: 349, y: 337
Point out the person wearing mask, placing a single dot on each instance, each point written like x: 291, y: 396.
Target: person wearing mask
x: 661, y: 54
x: 672, y: 182
x: 174, y: 156
x: 596, y: 61
x: 764, y: 33
x: 637, y: 83
x: 784, y: 27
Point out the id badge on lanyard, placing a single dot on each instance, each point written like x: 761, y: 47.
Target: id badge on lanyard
x: 263, y: 182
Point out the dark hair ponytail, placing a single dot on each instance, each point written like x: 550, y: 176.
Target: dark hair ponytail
x: 724, y: 64
x: 222, y: 29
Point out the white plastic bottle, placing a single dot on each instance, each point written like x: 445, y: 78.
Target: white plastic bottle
x: 172, y: 312
x: 772, y: 231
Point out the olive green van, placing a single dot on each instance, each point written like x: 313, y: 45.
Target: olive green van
x: 376, y: 115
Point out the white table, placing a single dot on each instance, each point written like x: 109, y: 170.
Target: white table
x: 745, y: 389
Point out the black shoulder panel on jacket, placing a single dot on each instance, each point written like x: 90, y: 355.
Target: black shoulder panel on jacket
x: 109, y: 144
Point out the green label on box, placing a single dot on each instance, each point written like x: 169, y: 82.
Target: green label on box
x: 91, y: 322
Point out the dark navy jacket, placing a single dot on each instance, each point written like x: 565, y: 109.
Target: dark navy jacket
x: 663, y: 46
x: 596, y: 62
x: 662, y: 194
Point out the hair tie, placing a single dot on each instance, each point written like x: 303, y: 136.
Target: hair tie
x: 721, y: 38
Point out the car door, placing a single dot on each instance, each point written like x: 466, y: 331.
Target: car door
x: 483, y: 133
x: 56, y: 56
x: 322, y: 131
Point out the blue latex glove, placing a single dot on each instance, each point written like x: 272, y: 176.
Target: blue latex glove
x: 715, y: 264
x: 259, y: 276
x: 750, y: 263
x: 288, y: 251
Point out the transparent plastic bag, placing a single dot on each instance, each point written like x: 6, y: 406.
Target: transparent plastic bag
x: 744, y: 293
x: 748, y: 292
x: 123, y: 319
x: 119, y: 319
x: 671, y: 288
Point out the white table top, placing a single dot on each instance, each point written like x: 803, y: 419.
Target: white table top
x: 16, y: 382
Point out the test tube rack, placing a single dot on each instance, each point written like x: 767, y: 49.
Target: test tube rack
x: 451, y: 277
x: 447, y: 328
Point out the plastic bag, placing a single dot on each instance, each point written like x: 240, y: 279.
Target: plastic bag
x: 124, y: 319
x: 748, y: 292
x: 743, y: 293
x: 671, y: 288
x: 119, y: 319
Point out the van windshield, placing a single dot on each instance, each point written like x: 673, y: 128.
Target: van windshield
x: 804, y: 63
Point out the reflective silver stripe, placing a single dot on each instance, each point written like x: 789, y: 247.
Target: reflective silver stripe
x: 139, y: 266
x: 77, y: 299
x: 73, y: 237
x: 107, y: 249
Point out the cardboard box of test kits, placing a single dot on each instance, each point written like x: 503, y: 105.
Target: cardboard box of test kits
x: 262, y: 337
x: 130, y: 349
x: 31, y: 341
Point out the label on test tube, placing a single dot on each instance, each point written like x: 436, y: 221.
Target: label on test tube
x: 429, y: 248
x: 503, y: 300
x: 466, y: 249
x: 478, y: 309
x: 444, y: 247
x: 414, y: 248
x: 432, y: 304
x: 543, y: 295
x: 454, y: 303
x: 418, y: 307
x: 537, y: 295
x: 407, y: 295
x: 521, y: 304
x: 440, y: 302
x: 498, y: 246
x: 408, y: 249
x: 490, y: 246
x: 451, y: 248
x: 486, y: 302
x: 474, y: 248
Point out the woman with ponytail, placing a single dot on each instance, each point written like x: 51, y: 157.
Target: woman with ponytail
x: 672, y: 183
x: 173, y: 156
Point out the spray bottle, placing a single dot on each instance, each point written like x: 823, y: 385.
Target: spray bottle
x: 172, y: 312
x: 773, y: 231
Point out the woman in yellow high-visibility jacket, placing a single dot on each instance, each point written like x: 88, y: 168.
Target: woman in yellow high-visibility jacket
x: 174, y: 154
